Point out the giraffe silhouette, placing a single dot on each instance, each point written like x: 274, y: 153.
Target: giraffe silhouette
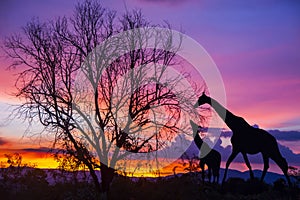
x: 247, y: 139
x: 208, y: 156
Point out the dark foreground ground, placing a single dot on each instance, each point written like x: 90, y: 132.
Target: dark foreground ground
x: 188, y: 186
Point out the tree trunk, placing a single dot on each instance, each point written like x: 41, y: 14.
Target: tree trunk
x: 107, y: 175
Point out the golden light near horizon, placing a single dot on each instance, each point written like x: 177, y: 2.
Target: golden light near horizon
x: 47, y: 161
x: 43, y: 161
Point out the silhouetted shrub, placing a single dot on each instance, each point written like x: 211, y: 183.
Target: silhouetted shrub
x: 180, y: 187
x: 279, y: 184
x: 240, y: 186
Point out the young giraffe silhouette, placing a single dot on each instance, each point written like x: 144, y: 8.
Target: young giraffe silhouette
x: 247, y: 140
x: 212, y: 158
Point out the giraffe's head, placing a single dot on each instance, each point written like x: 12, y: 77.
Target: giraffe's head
x: 203, y: 99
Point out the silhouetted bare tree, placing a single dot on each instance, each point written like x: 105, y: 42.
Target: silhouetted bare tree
x: 98, y: 101
x: 190, y: 163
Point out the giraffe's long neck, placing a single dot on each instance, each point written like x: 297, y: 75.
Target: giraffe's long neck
x: 231, y: 120
x: 198, y: 141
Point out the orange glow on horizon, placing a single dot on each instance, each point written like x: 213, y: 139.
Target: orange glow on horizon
x: 37, y: 159
x: 46, y: 161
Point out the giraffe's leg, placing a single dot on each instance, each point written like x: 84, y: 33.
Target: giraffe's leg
x: 214, y: 174
x: 266, y: 167
x: 209, y: 174
x: 248, y: 165
x: 230, y: 159
x: 202, y: 170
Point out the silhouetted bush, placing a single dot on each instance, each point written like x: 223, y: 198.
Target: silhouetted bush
x: 182, y: 187
x: 279, y: 184
x: 240, y: 186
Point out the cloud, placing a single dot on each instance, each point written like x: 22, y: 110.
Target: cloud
x: 291, y: 157
x: 285, y: 135
x: 226, y: 134
x: 3, y: 141
x: 279, y: 135
x: 29, y: 151
x: 38, y: 150
x: 223, y: 145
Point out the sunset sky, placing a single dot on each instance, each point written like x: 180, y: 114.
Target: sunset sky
x: 255, y: 44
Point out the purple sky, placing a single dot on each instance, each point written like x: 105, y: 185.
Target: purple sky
x: 255, y: 44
